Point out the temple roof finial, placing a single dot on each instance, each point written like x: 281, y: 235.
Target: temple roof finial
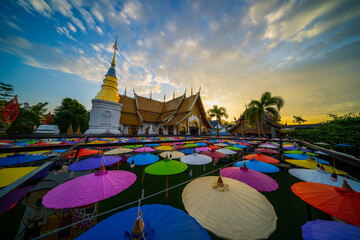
x: 125, y: 90
x: 150, y: 93
x: 191, y: 90
x: 115, y: 48
x: 164, y: 97
x: 173, y: 94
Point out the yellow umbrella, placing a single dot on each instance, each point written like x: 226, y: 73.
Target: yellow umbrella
x: 172, y: 154
x: 229, y: 208
x: 165, y: 148
x: 118, y: 151
x: 10, y: 175
x: 311, y: 163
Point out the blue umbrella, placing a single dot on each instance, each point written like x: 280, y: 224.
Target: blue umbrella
x: 94, y: 163
x: 143, y: 159
x: 153, y: 145
x: 304, y: 157
x: 343, y: 145
x: 20, y: 158
x: 321, y: 229
x: 200, y: 144
x: 161, y: 222
x: 187, y: 151
x: 258, y: 166
x: 240, y: 146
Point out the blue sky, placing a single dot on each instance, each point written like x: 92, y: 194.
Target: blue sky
x: 305, y: 51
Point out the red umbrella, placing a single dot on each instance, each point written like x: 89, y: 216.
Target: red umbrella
x: 179, y: 147
x: 262, y: 158
x: 266, y: 150
x: 215, y: 155
x: 214, y: 147
x: 342, y: 203
x: 244, y: 143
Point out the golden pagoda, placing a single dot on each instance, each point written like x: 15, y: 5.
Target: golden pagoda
x: 70, y: 130
x: 109, y: 90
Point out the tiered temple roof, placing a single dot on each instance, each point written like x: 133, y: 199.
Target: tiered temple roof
x: 137, y: 110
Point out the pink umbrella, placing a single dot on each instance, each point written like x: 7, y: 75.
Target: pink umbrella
x: 144, y: 149
x: 88, y: 189
x: 255, y: 179
x: 266, y: 150
x: 214, y: 154
x: 202, y: 149
x: 179, y: 147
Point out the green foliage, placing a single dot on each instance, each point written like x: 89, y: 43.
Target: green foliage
x: 271, y: 105
x: 340, y: 129
x: 71, y: 112
x: 29, y: 116
x: 218, y: 113
x: 6, y: 91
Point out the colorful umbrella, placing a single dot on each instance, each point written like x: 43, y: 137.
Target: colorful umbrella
x: 94, y: 163
x: 255, y: 179
x: 166, y: 167
x: 321, y: 176
x: 145, y: 149
x: 214, y: 154
x: 188, y: 151
x: 266, y: 150
x: 132, y: 146
x: 261, y: 157
x: 240, y: 146
x: 214, y: 147
x: 301, y: 152
x: 172, y: 154
x: 305, y: 157
x: 268, y: 145
x: 142, y: 159
x: 226, y: 151
x: 258, y: 166
x: 233, y: 148
x: 158, y: 222
x: 312, y: 164
x: 20, y: 159
x: 342, y: 203
x: 320, y: 229
x: 10, y: 175
x: 164, y: 148
x: 229, y: 208
x: 202, y: 149
x: 88, y: 189
x: 118, y: 151
x: 179, y: 147
x: 82, y: 153
x: 191, y: 145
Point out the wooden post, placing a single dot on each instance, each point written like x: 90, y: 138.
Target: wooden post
x: 308, y: 212
x: 142, y: 174
x: 167, y: 186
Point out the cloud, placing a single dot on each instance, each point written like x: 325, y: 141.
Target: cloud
x: 78, y: 23
x: 71, y: 27
x: 98, y: 29
x: 64, y: 31
x: 133, y: 9
x: 39, y: 6
x: 13, y: 25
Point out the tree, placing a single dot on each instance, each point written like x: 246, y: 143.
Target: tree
x: 71, y: 112
x: 270, y: 105
x: 29, y: 116
x: 298, y: 120
x: 6, y: 91
x: 218, y: 113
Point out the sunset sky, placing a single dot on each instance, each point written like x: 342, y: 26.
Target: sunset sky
x: 308, y: 52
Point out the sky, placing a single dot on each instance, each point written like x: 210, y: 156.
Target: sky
x: 307, y: 52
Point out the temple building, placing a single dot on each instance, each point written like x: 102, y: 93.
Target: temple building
x: 120, y: 114
x: 180, y: 115
x: 243, y: 128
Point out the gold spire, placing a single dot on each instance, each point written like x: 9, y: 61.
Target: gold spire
x: 115, y: 48
x: 109, y: 90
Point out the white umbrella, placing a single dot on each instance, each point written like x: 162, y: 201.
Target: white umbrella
x: 172, y: 154
x: 196, y: 159
x: 226, y: 151
x: 221, y: 145
x: 321, y: 176
x: 229, y: 208
x: 267, y: 145
x: 118, y: 151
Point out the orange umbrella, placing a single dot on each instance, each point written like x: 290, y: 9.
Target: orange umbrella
x: 342, y: 203
x: 214, y: 147
x: 261, y: 157
x: 82, y: 152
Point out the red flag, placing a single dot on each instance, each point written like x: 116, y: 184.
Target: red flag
x: 48, y: 119
x: 11, y: 111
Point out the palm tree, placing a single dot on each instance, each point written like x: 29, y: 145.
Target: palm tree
x: 271, y: 105
x: 298, y: 120
x: 218, y: 113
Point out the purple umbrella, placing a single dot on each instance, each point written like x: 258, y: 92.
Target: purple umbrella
x: 319, y: 229
x: 202, y: 149
x: 88, y: 189
x: 255, y: 179
x: 94, y: 163
x: 144, y: 149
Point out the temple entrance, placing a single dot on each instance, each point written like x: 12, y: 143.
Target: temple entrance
x: 133, y: 130
x: 171, y: 130
x: 161, y: 130
x: 182, y: 130
x: 194, y: 131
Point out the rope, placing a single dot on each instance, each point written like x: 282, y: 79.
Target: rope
x: 131, y: 203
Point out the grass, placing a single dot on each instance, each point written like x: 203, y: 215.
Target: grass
x: 290, y: 209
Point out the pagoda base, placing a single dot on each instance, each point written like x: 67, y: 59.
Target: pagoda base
x: 104, y: 117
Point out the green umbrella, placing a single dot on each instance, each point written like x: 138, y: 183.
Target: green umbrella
x: 234, y: 148
x: 301, y: 152
x: 132, y: 146
x: 191, y: 145
x: 166, y: 167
